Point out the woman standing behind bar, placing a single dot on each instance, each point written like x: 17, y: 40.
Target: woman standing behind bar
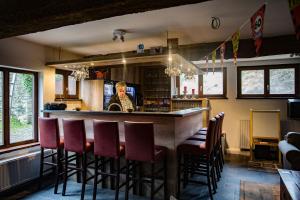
x: 122, y: 100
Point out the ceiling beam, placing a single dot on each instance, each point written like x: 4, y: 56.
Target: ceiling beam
x: 30, y: 16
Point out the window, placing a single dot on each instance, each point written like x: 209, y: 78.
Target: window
x: 252, y: 82
x: 267, y: 81
x: 282, y: 81
x: 18, y: 94
x: 59, y: 84
x: 190, y: 85
x: 211, y: 84
x: 66, y: 87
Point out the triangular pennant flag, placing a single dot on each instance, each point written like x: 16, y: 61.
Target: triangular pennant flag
x: 222, y: 53
x: 206, y: 64
x: 294, y: 6
x: 257, y: 26
x: 235, y: 45
x: 213, y: 59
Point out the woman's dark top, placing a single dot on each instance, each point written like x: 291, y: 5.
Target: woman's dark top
x: 115, y: 99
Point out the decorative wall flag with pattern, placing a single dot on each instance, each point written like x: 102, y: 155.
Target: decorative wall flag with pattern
x: 213, y: 59
x: 257, y: 26
x: 295, y: 12
x: 235, y: 45
x: 222, y: 53
x: 206, y: 64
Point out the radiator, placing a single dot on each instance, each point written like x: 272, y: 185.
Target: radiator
x: 244, y: 134
x: 18, y: 170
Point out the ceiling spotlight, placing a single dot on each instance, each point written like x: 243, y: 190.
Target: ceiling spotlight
x: 115, y: 37
x: 119, y: 33
x: 124, y: 60
x: 92, y: 64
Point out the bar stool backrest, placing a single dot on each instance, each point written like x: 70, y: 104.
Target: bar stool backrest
x: 210, y: 136
x: 74, y: 135
x: 139, y: 141
x: 217, y: 129
x: 222, y: 114
x: 49, y: 132
x: 106, y: 139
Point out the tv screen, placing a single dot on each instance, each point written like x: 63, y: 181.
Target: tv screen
x: 293, y: 108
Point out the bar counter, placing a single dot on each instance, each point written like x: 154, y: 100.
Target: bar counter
x: 170, y: 128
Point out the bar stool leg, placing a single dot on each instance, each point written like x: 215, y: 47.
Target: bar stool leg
x: 95, y: 178
x: 41, y: 167
x: 127, y: 180
x: 83, y: 175
x: 65, y: 174
x: 134, y: 179
x: 57, y: 170
x: 112, y: 171
x: 53, y: 161
x: 103, y: 169
x: 117, y: 179
x: 78, y: 175
x: 165, y: 179
x: 140, y: 178
x: 213, y: 177
x: 208, y: 179
x: 185, y: 170
x: 178, y: 175
x: 152, y: 180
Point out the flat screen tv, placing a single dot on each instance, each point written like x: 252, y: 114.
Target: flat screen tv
x: 293, y: 108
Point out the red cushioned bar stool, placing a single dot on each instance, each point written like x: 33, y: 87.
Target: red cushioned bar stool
x: 216, y: 159
x: 107, y: 145
x: 140, y: 148
x: 197, y: 159
x: 201, y: 134
x: 50, y: 139
x: 76, y: 142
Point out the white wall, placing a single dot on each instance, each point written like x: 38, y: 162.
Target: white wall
x: 22, y: 54
x: 239, y: 109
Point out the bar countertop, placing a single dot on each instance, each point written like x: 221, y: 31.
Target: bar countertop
x: 179, y: 113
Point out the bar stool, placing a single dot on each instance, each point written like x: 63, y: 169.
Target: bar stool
x: 199, y: 154
x: 216, y: 145
x: 220, y: 140
x: 75, y: 141
x: 49, y: 139
x: 107, y: 145
x: 201, y: 135
x: 140, y: 148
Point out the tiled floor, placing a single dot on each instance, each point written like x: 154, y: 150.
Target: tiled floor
x: 228, y: 187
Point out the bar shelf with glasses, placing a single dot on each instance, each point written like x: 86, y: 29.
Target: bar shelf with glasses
x: 156, y: 89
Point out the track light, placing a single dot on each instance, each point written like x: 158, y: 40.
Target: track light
x: 119, y: 33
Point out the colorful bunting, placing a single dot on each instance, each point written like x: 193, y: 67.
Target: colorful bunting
x: 257, y: 26
x: 257, y: 22
x: 213, y: 59
x: 295, y: 12
x: 206, y: 64
x: 222, y: 53
x: 235, y: 45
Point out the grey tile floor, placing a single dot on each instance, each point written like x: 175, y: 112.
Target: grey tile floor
x: 234, y: 171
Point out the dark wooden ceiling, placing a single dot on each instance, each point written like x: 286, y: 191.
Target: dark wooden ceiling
x: 19, y: 17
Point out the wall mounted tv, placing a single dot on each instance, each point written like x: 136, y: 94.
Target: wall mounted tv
x: 293, y: 108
